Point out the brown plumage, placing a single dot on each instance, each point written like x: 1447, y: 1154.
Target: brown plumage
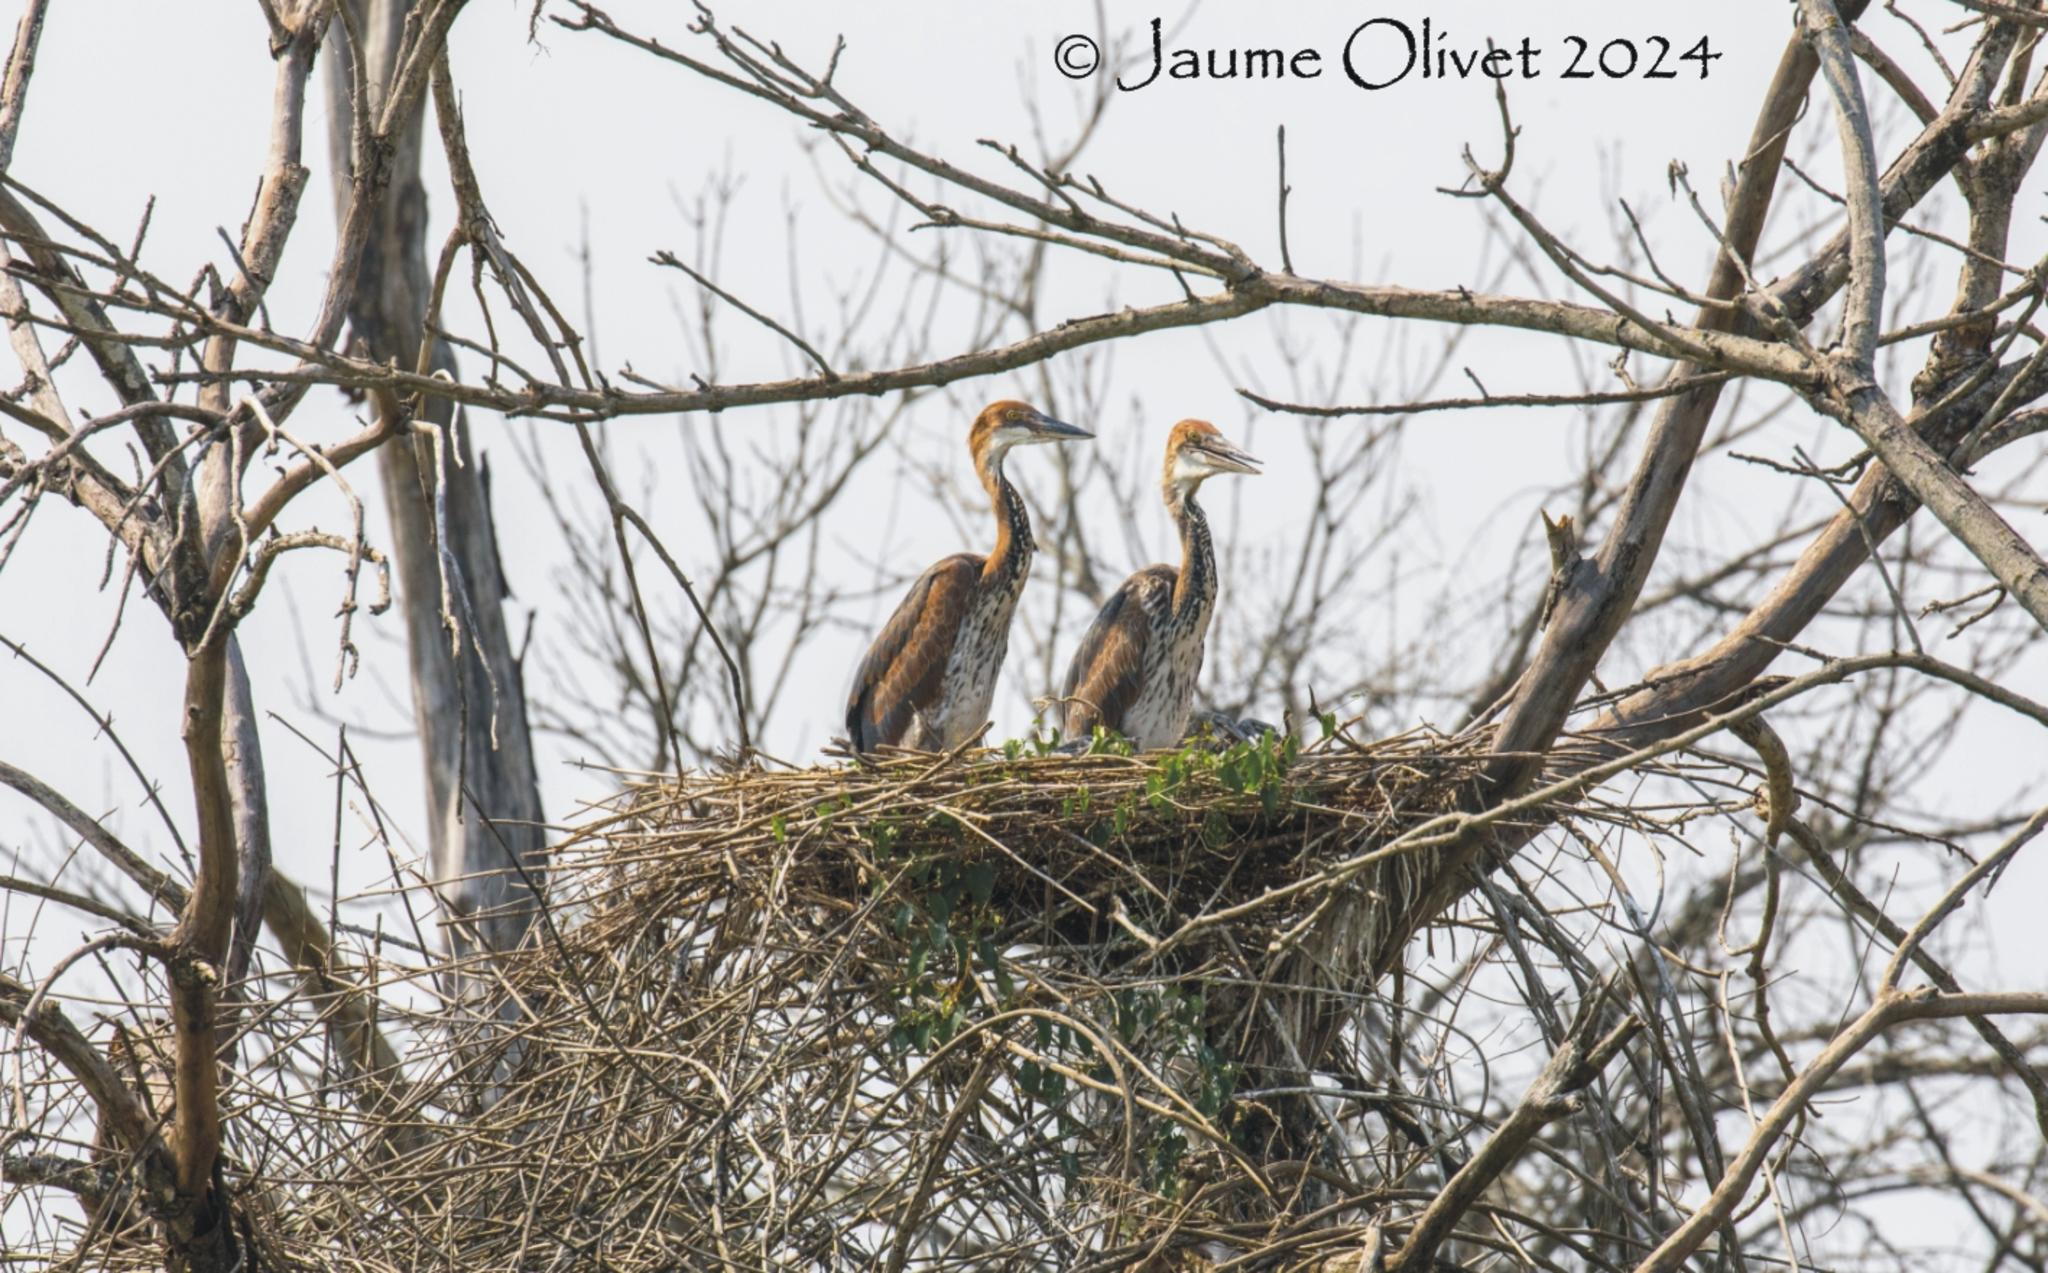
x: 1136, y: 668
x: 929, y: 677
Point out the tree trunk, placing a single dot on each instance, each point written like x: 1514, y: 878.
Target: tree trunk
x: 483, y: 796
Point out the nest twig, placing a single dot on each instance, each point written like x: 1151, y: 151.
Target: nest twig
x: 927, y: 1012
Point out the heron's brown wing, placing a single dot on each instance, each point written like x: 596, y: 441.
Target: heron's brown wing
x: 1104, y: 678
x: 902, y: 672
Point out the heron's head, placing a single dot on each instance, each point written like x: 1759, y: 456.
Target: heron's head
x: 1196, y: 452
x: 1002, y: 425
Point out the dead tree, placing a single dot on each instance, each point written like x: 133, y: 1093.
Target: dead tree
x: 1223, y: 1003
x: 469, y: 694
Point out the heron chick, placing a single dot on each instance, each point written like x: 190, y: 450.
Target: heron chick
x: 1136, y: 668
x: 928, y: 679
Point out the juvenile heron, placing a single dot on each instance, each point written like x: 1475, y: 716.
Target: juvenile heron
x: 1136, y: 668
x: 927, y: 681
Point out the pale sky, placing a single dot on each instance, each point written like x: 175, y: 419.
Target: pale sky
x: 138, y: 98
x: 577, y: 125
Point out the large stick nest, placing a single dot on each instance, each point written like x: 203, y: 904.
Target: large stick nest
x: 1013, y: 1011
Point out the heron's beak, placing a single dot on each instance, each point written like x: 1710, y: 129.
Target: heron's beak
x: 1046, y: 429
x: 1226, y: 458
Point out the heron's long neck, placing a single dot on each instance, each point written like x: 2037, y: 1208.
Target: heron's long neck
x: 1014, y: 545
x: 1195, y: 589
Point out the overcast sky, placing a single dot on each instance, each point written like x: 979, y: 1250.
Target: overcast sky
x: 575, y: 126
x: 139, y: 98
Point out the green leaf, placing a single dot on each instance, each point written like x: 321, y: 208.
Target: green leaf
x: 994, y: 962
x: 981, y: 882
